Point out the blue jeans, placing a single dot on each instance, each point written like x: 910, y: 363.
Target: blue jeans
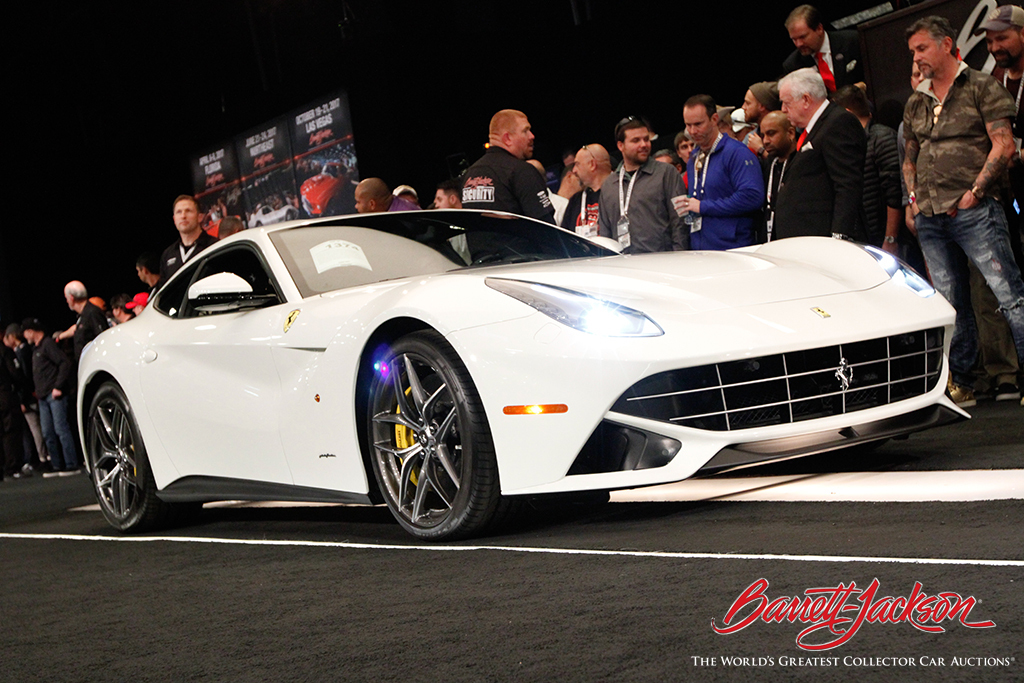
x: 53, y: 414
x: 979, y: 234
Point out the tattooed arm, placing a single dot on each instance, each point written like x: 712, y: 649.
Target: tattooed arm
x: 1000, y: 133
x: 910, y: 171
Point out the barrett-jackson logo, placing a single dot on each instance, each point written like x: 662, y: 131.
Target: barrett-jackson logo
x: 263, y: 160
x: 319, y: 136
x: 479, y: 189
x: 827, y: 612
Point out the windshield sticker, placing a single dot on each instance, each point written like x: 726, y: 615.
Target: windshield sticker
x: 338, y: 254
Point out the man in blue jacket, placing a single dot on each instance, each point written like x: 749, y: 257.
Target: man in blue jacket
x: 726, y: 188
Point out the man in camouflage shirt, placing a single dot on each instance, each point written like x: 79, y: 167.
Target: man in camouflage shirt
x: 959, y: 141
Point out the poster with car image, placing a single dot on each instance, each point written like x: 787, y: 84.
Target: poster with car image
x: 268, y: 179
x: 217, y: 186
x: 325, y: 156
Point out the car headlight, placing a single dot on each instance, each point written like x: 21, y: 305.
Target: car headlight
x: 579, y: 311
x: 901, y: 272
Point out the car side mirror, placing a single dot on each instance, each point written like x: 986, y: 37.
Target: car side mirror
x: 225, y: 292
x: 219, y: 284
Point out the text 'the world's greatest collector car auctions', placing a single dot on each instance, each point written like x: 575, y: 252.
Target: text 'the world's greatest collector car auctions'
x: 452, y: 364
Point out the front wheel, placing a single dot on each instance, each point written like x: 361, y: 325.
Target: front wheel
x: 121, y: 476
x: 432, y: 452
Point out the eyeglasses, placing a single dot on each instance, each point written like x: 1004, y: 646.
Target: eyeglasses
x: 624, y: 122
x: 936, y: 110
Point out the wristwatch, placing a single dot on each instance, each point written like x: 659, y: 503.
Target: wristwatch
x: 889, y: 239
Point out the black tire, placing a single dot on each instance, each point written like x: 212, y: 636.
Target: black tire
x: 121, y: 476
x: 430, y: 443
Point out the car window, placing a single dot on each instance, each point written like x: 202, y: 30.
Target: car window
x: 171, y: 296
x: 245, y: 261
x: 358, y: 251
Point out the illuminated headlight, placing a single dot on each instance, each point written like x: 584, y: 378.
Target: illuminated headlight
x: 579, y: 311
x: 900, y: 272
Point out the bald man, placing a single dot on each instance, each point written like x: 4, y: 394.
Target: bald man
x: 593, y: 165
x: 374, y: 196
x: 779, y: 137
x: 91, y: 320
x: 501, y: 180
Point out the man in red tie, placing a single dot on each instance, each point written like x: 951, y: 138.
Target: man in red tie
x: 823, y: 183
x: 835, y: 55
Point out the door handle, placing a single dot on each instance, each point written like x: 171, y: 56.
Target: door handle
x: 148, y: 356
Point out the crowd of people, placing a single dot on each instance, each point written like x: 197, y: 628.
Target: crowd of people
x: 802, y: 155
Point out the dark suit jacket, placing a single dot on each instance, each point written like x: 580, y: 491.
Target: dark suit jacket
x: 824, y: 182
x: 848, y: 67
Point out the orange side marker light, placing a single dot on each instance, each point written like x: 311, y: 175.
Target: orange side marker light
x: 538, y: 409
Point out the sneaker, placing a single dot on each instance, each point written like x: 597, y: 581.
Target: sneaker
x: 69, y: 473
x: 27, y: 471
x: 1007, y: 392
x: 962, y: 396
x: 52, y: 473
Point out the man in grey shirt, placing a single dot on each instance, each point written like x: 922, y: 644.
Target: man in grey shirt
x: 636, y: 200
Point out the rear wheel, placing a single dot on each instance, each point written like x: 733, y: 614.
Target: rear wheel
x: 121, y: 476
x: 432, y: 452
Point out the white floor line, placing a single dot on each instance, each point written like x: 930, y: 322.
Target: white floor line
x: 875, y: 487
x: 516, y: 549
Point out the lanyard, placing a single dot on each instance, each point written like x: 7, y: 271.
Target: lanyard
x: 624, y: 203
x: 771, y: 177
x: 704, y: 160
x: 1020, y: 88
x: 186, y: 254
x: 770, y: 223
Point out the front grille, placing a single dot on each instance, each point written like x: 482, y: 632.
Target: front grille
x: 791, y: 387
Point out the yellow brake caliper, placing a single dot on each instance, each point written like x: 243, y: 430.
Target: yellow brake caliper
x: 405, y: 438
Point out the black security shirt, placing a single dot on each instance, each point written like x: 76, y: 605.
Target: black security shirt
x: 499, y: 181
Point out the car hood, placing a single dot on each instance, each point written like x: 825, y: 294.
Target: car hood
x: 318, y: 186
x: 700, y: 281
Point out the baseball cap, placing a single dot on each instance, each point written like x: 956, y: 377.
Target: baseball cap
x: 138, y: 301
x: 402, y: 189
x: 1002, y: 18
x: 739, y: 120
x: 31, y: 324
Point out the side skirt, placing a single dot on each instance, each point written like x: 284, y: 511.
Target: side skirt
x: 207, y: 489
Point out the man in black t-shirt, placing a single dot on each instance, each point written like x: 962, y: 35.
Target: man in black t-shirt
x: 91, y: 320
x: 501, y: 180
x: 592, y: 166
x: 1004, y: 37
x: 191, y: 238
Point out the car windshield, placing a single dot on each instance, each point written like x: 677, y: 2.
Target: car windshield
x: 361, y: 250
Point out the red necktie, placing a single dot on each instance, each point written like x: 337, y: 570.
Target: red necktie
x: 826, y: 73
x: 800, y: 142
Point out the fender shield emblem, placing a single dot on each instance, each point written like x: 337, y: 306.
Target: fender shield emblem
x: 291, y: 319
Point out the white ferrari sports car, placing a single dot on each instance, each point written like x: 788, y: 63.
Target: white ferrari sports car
x: 450, y: 363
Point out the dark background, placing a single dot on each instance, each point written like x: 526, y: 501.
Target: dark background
x: 108, y: 100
